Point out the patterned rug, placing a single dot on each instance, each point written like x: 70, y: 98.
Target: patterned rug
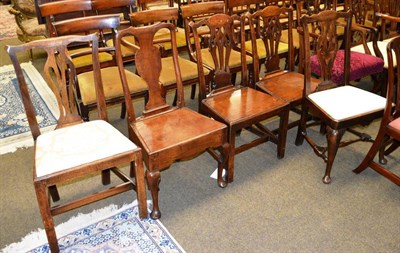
x: 14, y: 128
x: 111, y: 230
x: 8, y: 27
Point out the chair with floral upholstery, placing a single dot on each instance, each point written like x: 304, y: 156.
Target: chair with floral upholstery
x: 28, y: 28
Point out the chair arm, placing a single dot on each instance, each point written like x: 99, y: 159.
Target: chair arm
x: 368, y: 32
x: 13, y: 11
x: 387, y: 17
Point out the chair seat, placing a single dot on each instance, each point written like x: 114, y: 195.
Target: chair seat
x: 86, y: 60
x: 286, y: 85
x: 162, y: 133
x: 395, y: 126
x: 188, y: 70
x: 382, y: 47
x: 361, y: 65
x: 78, y: 145
x: 109, y: 76
x: 346, y: 102
x: 233, y: 106
x: 126, y: 52
x: 234, y: 60
x: 262, y: 53
x: 180, y: 38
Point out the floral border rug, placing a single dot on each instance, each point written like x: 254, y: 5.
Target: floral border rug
x: 111, y: 230
x: 14, y: 128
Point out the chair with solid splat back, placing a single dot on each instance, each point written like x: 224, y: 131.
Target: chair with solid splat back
x: 166, y: 133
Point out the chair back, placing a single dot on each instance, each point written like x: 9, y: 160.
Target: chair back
x: 194, y: 12
x: 393, y: 91
x: 123, y: 7
x: 148, y: 66
x: 147, y: 17
x: 320, y: 47
x: 53, y: 11
x: 60, y: 75
x: 267, y: 25
x: 220, y: 42
x: 242, y: 6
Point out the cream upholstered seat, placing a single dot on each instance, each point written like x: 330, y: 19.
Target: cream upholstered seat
x: 353, y: 102
x: 51, y: 157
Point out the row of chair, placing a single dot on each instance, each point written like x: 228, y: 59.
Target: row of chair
x: 166, y: 133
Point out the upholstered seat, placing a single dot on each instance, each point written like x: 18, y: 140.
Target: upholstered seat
x: 353, y: 101
x: 282, y: 48
x: 234, y: 60
x: 88, y: 92
x: 295, y: 38
x: 180, y: 39
x: 361, y: 65
x: 86, y: 60
x: 188, y: 69
x: 126, y: 51
x: 382, y: 48
x: 51, y: 157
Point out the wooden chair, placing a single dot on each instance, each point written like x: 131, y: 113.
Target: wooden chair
x: 389, y: 131
x: 123, y: 8
x: 189, y: 73
x: 199, y: 11
x: 57, y: 11
x: 85, y: 92
x: 75, y: 149
x: 153, y: 5
x: 166, y: 133
x: 338, y: 107
x: 239, y: 107
x: 266, y: 31
x: 365, y: 40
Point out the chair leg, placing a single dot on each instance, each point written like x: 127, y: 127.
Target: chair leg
x: 138, y: 169
x: 48, y: 222
x: 193, y: 91
x: 54, y: 193
x: 84, y: 110
x: 123, y: 110
x: 283, y: 128
x: 223, y: 164
x: 384, y: 152
x: 153, y: 182
x: 106, y: 177
x: 231, y: 158
x: 333, y: 138
x: 301, y: 129
x: 371, y: 153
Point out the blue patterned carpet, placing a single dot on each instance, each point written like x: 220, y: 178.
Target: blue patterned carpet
x: 14, y: 128
x: 120, y: 231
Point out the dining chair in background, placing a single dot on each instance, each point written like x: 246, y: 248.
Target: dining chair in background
x: 85, y: 93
